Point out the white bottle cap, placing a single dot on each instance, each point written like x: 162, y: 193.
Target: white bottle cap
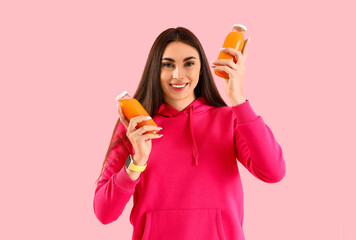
x: 240, y: 25
x: 121, y: 95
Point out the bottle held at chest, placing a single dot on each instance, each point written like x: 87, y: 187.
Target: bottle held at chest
x: 132, y: 108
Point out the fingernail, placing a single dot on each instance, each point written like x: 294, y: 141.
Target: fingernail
x: 249, y: 39
x: 222, y: 49
x: 213, y: 66
x: 160, y: 135
x: 148, y: 117
x: 159, y: 128
x: 212, y: 61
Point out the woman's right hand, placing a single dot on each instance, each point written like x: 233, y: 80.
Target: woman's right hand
x: 141, y: 142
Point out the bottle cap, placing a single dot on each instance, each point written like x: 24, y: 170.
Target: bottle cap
x: 240, y: 25
x: 121, y: 95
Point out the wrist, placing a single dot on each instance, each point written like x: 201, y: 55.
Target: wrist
x: 133, y: 175
x: 139, y: 161
x: 237, y: 101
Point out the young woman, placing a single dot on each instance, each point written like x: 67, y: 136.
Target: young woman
x: 185, y: 180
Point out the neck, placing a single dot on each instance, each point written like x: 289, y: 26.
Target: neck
x: 180, y: 104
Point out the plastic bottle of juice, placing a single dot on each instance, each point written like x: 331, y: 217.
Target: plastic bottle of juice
x: 132, y: 108
x: 235, y: 39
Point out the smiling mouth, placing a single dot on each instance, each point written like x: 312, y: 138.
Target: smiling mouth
x: 179, y: 85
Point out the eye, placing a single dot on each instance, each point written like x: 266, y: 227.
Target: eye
x: 190, y: 63
x: 166, y: 64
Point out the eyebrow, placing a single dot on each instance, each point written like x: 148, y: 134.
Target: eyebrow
x: 185, y: 59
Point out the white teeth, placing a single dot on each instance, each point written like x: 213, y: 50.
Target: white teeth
x: 179, y: 86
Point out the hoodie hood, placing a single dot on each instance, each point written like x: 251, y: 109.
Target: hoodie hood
x: 197, y: 106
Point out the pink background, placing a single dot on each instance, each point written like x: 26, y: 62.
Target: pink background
x: 62, y: 63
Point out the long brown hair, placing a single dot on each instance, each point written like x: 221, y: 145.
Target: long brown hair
x: 149, y: 92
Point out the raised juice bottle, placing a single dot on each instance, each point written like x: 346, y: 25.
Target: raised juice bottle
x: 132, y: 108
x: 235, y: 39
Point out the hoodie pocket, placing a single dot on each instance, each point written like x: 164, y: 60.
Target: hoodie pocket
x: 183, y: 224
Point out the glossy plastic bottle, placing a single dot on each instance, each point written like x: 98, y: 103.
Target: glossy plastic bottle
x: 132, y: 108
x: 235, y: 39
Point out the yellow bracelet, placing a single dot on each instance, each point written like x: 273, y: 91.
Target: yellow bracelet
x: 134, y: 167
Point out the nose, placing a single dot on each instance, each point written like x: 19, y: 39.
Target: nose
x: 176, y: 73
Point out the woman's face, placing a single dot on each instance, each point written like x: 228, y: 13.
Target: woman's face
x: 180, y: 70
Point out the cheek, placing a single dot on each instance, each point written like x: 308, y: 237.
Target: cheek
x: 164, y: 76
x: 164, y: 80
x: 194, y: 73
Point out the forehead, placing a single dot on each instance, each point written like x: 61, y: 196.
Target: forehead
x: 179, y: 50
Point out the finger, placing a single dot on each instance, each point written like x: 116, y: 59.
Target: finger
x: 226, y: 69
x: 134, y: 121
x: 223, y: 62
x: 146, y: 128
x: 245, y: 49
x: 233, y: 52
x: 122, y: 117
x: 150, y: 136
x: 241, y: 59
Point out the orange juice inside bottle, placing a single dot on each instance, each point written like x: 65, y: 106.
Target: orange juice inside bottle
x: 235, y: 39
x: 132, y: 108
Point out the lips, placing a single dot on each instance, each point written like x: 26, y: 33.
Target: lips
x: 179, y: 85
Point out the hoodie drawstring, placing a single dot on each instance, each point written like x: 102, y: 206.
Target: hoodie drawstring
x: 195, y: 148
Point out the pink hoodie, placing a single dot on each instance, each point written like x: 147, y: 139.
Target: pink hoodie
x: 191, y: 188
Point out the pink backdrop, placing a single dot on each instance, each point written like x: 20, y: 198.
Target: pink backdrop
x: 62, y: 63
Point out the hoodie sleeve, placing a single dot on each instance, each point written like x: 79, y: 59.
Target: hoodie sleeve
x: 115, y: 187
x: 255, y: 146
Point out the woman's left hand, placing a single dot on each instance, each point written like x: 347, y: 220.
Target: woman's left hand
x: 236, y: 71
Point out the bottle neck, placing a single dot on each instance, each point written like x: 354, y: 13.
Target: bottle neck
x: 238, y: 29
x: 127, y: 96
